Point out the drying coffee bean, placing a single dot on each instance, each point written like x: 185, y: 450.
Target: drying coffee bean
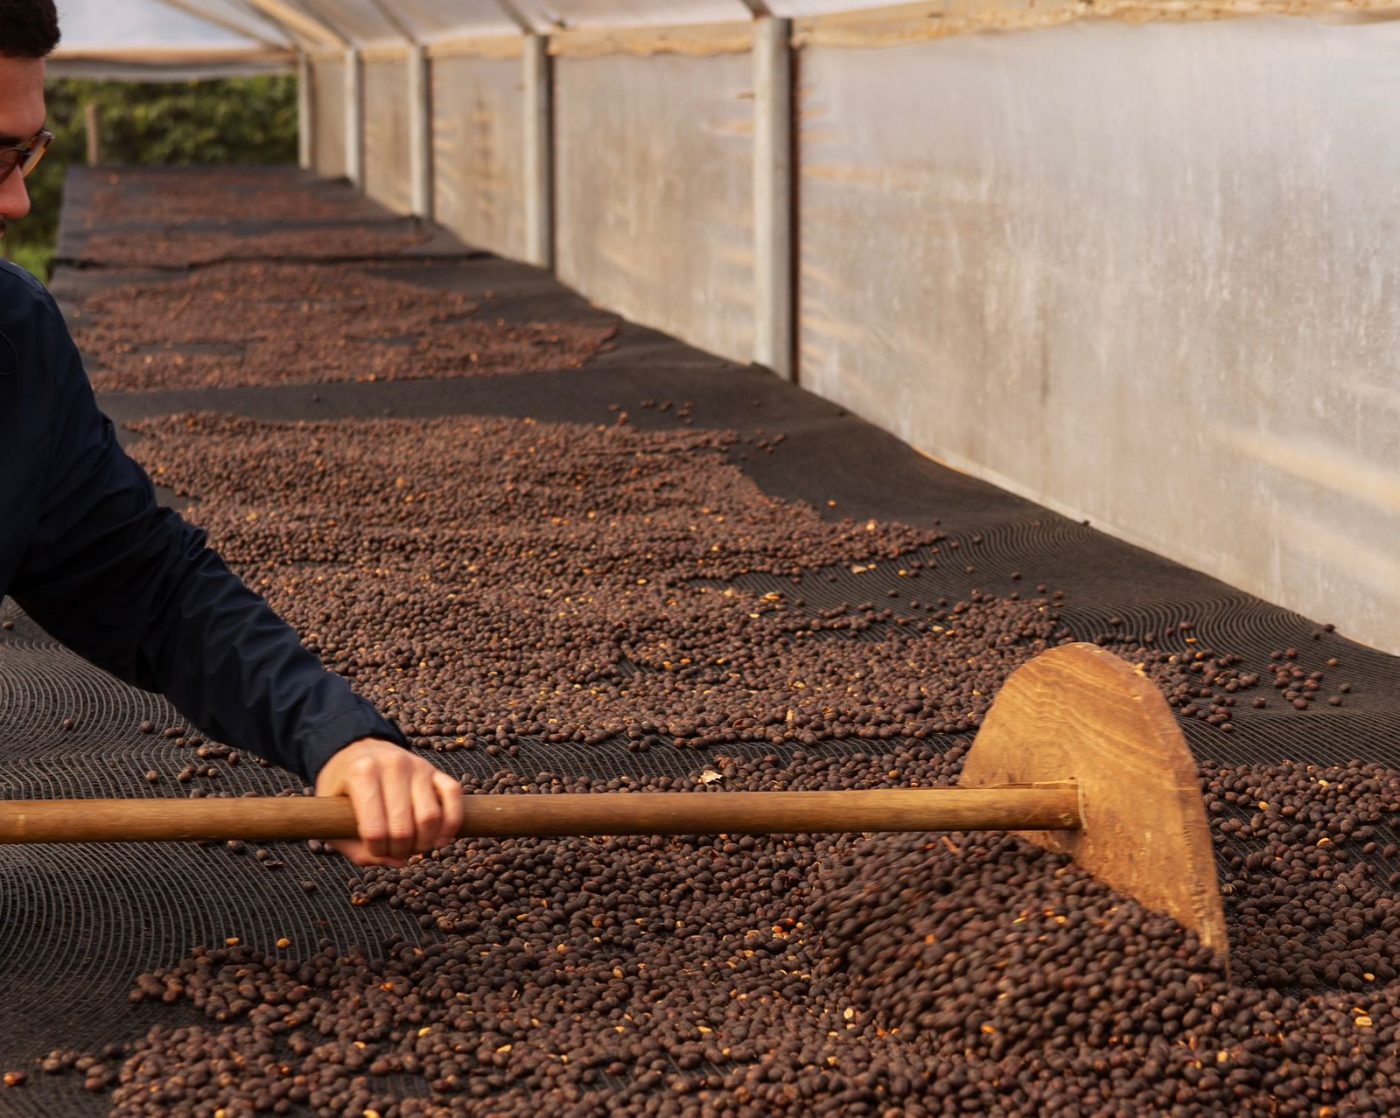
x: 235, y: 314
x: 873, y: 971
x: 557, y: 669
x: 59, y: 1060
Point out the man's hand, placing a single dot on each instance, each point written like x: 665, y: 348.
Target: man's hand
x: 402, y: 803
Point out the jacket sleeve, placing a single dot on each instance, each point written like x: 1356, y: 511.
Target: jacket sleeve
x: 132, y: 587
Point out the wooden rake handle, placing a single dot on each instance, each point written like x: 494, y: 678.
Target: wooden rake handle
x: 1012, y: 807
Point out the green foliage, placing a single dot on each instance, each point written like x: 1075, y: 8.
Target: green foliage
x: 231, y: 120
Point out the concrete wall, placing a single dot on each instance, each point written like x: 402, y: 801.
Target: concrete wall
x: 1148, y: 275
x: 388, y: 179
x: 479, y: 152
x: 654, y: 191
x: 328, y: 116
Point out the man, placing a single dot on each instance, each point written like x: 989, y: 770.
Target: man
x: 87, y: 552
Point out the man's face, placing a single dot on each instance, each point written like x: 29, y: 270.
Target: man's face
x: 21, y: 115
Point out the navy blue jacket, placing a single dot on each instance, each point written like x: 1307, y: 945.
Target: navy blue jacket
x: 130, y: 586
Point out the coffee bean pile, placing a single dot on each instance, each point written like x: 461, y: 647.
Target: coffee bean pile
x: 1312, y: 859
x: 254, y: 324
x: 1043, y: 992
x: 487, y: 579
x: 542, y: 581
x: 627, y: 975
x: 900, y: 974
x: 1197, y: 682
x: 226, y: 195
x: 1204, y: 683
x: 177, y: 249
x: 1305, y: 871
x: 1302, y: 688
x: 553, y: 581
x: 906, y: 764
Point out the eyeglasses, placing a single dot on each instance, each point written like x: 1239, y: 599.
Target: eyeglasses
x: 26, y: 156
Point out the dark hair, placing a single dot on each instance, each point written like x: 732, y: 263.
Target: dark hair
x: 28, y: 28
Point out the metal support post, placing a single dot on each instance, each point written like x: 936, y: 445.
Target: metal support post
x: 539, y: 153
x: 773, y: 197
x: 93, y: 120
x: 305, y: 109
x: 420, y: 132
x: 354, y: 118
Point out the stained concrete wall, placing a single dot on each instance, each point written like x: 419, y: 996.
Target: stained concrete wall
x: 388, y: 177
x: 328, y: 116
x: 479, y: 152
x: 654, y: 191
x: 1148, y: 275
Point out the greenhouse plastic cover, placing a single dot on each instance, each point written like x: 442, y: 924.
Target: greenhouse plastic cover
x: 380, y: 21
x: 166, y: 38
x: 197, y: 38
x: 551, y: 14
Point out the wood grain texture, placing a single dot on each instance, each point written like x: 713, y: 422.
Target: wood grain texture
x: 902, y: 24
x: 1079, y: 713
x: 477, y: 46
x: 386, y: 52
x: 661, y: 813
x: 699, y: 40
x: 620, y: 813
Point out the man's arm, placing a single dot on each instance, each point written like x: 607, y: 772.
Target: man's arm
x: 133, y: 588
